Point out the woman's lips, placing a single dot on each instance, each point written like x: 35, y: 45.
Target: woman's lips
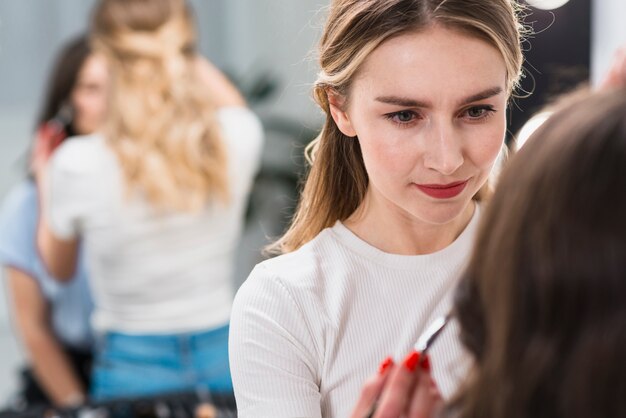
x: 443, y: 191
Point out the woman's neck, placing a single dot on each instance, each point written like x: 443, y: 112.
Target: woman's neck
x: 395, y: 231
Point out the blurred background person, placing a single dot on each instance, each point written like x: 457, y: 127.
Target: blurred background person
x: 158, y: 199
x: 53, y: 319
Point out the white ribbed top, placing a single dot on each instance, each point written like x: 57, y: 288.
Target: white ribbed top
x: 153, y: 272
x: 309, y: 327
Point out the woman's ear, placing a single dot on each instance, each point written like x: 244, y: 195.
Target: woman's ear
x: 337, y: 105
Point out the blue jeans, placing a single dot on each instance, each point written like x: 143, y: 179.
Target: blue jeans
x: 143, y: 365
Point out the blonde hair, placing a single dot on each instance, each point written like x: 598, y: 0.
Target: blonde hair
x: 337, y: 181
x: 161, y: 122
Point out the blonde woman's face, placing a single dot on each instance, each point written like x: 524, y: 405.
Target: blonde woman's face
x: 428, y: 110
x: 89, y: 96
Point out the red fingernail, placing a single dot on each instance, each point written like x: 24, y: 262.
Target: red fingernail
x: 425, y: 364
x: 411, y: 361
x: 385, y: 365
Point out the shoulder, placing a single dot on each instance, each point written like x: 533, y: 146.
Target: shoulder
x: 282, y: 300
x: 240, y: 123
x: 306, y: 263
x: 243, y: 136
x: 82, y: 173
x: 299, y: 275
x: 80, y: 154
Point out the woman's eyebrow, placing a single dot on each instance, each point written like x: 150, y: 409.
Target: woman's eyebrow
x: 485, y: 94
x: 402, y: 101
x: 409, y: 102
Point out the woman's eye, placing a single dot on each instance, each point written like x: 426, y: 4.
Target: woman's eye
x: 479, y: 112
x: 402, y: 117
x: 476, y: 112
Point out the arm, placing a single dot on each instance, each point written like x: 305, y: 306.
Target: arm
x: 50, y: 364
x: 59, y: 256
x: 224, y: 93
x: 272, y: 360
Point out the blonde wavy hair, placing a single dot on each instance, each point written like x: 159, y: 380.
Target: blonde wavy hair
x: 161, y: 122
x: 337, y: 180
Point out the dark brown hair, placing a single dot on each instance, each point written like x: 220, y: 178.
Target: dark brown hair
x: 63, y: 79
x: 543, y: 303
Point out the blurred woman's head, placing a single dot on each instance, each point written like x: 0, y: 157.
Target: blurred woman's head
x: 77, y: 89
x: 161, y: 122
x: 543, y: 304
x: 132, y: 30
x: 372, y: 55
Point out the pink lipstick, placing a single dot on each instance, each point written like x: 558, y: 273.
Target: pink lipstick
x: 443, y: 191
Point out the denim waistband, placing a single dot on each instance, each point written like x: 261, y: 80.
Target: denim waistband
x: 172, y: 341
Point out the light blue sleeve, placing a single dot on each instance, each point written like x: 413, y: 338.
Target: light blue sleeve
x: 71, y: 303
x: 18, y: 223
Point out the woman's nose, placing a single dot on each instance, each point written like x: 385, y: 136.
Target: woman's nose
x: 443, y: 151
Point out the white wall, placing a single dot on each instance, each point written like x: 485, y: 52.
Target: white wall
x: 285, y: 33
x: 608, y: 33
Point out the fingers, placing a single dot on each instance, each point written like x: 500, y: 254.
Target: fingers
x: 371, y: 390
x: 426, y: 399
x: 616, y: 76
x: 406, y: 390
x: 396, y: 397
x: 205, y: 410
x: 49, y: 136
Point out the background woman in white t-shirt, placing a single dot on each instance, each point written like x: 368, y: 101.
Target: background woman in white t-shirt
x: 415, y: 94
x: 158, y: 200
